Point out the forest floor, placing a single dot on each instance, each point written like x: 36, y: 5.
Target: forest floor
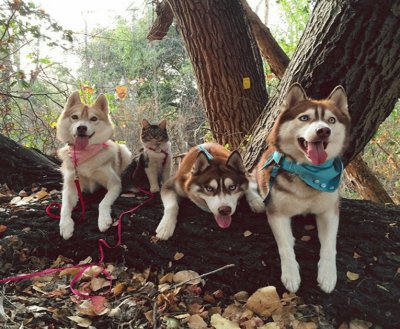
x: 125, y: 296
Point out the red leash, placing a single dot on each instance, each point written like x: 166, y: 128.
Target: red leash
x: 101, y: 243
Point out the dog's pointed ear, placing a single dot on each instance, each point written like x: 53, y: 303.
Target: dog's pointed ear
x: 235, y: 161
x: 145, y: 123
x: 339, y: 97
x: 73, y: 99
x: 201, y: 163
x: 295, y: 95
x: 163, y: 124
x: 101, y: 103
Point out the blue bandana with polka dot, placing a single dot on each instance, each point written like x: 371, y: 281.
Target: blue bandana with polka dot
x: 324, y: 177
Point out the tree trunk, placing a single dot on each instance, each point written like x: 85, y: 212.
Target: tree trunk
x: 205, y: 247
x: 364, y: 181
x: 225, y: 59
x: 164, y: 19
x: 351, y: 43
x: 269, y: 48
x: 21, y: 167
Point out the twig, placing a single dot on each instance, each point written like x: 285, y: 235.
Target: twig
x: 155, y: 314
x: 200, y: 276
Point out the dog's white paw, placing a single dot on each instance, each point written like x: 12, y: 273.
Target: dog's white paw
x: 257, y: 205
x: 327, y: 275
x: 291, y: 276
x: 165, y: 229
x: 105, y: 221
x: 154, y: 189
x: 66, y: 227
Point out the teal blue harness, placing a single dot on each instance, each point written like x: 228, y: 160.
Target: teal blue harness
x: 324, y: 177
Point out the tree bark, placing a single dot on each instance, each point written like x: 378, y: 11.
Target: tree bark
x: 163, y: 21
x: 205, y: 247
x: 357, y: 172
x: 269, y: 48
x: 364, y: 181
x: 349, y: 43
x: 223, y: 53
x: 21, y: 167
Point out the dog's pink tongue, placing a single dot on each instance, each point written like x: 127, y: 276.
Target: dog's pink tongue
x: 316, y: 152
x: 223, y: 221
x: 81, y: 142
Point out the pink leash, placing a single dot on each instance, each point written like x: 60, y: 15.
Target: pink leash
x: 101, y: 244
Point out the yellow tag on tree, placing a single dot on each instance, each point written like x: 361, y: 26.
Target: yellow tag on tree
x: 246, y: 83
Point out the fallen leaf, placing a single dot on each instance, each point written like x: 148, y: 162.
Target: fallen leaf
x: 69, y: 271
x: 359, y: 324
x: 305, y: 238
x: 241, y: 296
x: 183, y: 276
x: 99, y: 283
x: 356, y: 256
x: 118, y: 289
x: 167, y: 278
x: 40, y: 195
x: 247, y: 233
x: 178, y: 256
x: 270, y: 325
x: 352, y: 276
x: 196, y: 322
x: 3, y: 228
x: 218, y: 322
x: 309, y: 227
x: 265, y: 301
x: 82, y: 322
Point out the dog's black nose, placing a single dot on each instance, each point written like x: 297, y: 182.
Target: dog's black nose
x: 81, y: 130
x: 225, y: 210
x: 323, y: 132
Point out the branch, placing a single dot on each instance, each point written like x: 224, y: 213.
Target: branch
x: 269, y: 47
x: 162, y: 23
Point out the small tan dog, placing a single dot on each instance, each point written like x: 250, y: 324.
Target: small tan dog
x: 92, y: 155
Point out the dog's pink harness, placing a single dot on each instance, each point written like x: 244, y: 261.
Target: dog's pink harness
x: 79, y: 156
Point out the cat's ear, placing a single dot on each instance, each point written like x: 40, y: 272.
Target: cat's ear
x: 145, y: 123
x: 163, y: 124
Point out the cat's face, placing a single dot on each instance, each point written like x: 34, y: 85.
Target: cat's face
x: 152, y: 136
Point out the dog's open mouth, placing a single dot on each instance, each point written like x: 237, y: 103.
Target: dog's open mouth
x: 223, y: 221
x: 82, y: 141
x: 315, y: 150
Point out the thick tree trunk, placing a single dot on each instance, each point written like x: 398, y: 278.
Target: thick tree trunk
x: 364, y: 181
x: 21, y: 167
x: 224, y: 59
x: 366, y: 246
x: 351, y: 43
x: 269, y: 48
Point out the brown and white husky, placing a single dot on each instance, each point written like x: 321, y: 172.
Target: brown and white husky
x: 214, y: 179
x: 299, y: 173
x: 91, y: 155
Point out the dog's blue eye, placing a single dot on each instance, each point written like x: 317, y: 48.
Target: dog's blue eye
x: 331, y: 120
x: 93, y: 119
x: 209, y: 189
x: 74, y: 116
x: 304, y: 118
x: 232, y: 187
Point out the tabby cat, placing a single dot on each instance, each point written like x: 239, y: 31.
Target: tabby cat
x: 156, y: 155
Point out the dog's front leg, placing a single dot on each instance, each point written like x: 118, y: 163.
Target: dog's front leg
x: 68, y: 202
x: 282, y: 230
x: 171, y: 207
x: 254, y: 199
x: 113, y: 190
x: 327, y: 223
